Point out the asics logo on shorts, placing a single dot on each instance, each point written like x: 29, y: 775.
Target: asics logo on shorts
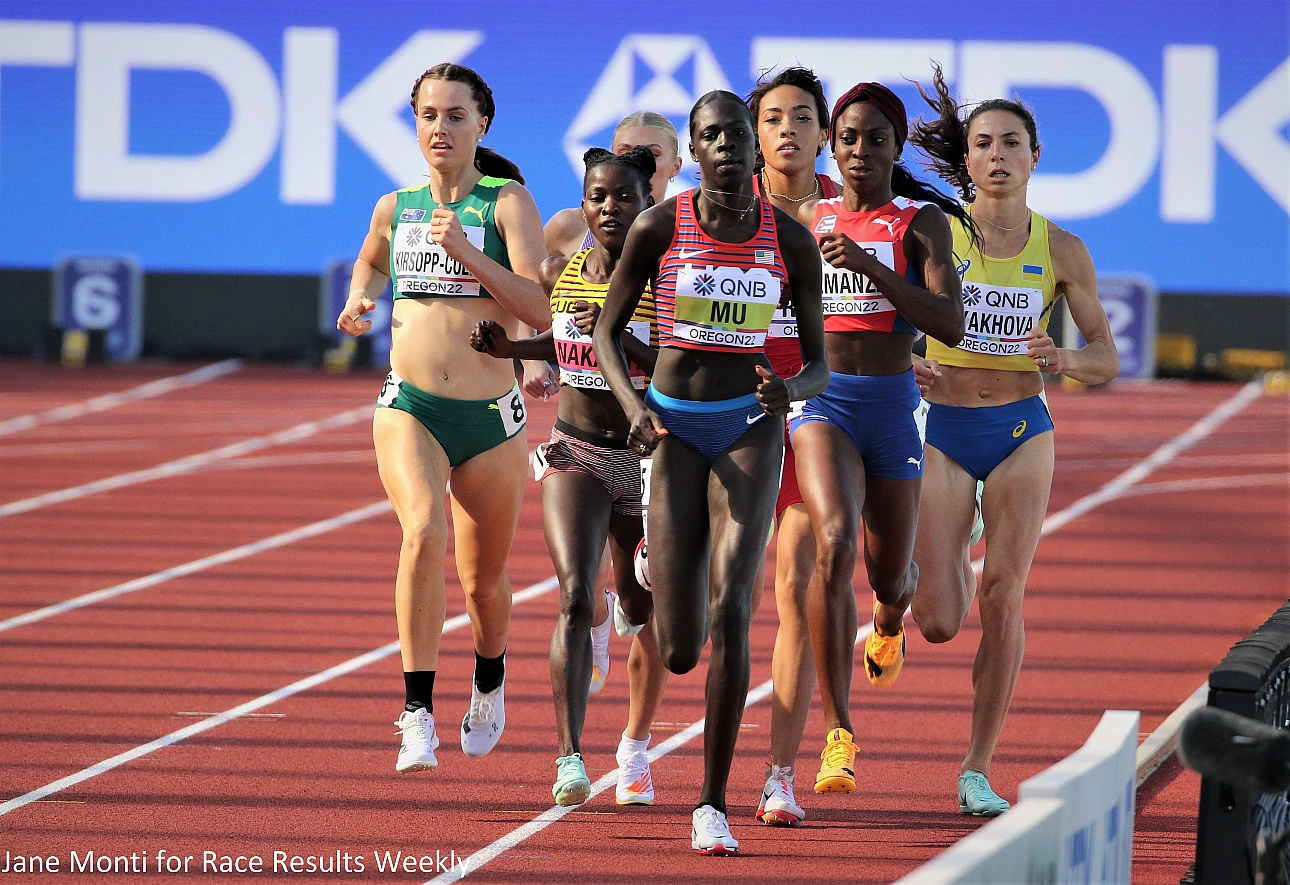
x: 1019, y: 429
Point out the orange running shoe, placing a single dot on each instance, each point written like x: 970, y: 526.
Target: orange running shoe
x: 837, y: 764
x: 883, y: 655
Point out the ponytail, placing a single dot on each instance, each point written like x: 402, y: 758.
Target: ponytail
x: 490, y: 162
x: 944, y: 139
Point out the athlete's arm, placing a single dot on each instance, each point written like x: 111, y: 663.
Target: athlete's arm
x: 564, y: 232
x: 371, y: 270
x: 802, y: 261
x: 937, y: 309
x: 647, y: 242
x: 520, y: 228
x: 490, y: 337
x: 1097, y: 362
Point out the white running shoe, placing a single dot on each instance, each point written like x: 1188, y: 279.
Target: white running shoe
x: 635, y: 785
x: 600, y: 647
x: 482, y: 726
x: 640, y: 563
x: 778, y: 806
x: 622, y: 626
x: 420, y: 740
x: 710, y: 832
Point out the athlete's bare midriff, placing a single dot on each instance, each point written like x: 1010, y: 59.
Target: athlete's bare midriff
x: 973, y: 388
x: 430, y: 347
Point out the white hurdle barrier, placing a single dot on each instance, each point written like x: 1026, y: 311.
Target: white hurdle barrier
x: 1072, y: 824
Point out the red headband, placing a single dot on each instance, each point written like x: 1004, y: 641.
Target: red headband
x: 880, y: 97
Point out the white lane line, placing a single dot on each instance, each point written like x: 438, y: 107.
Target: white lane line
x: 1162, y: 742
x: 199, y: 565
x: 187, y: 464
x: 111, y: 400
x: 1209, y: 482
x: 1108, y: 492
x: 556, y: 812
x: 1119, y: 486
x: 341, y: 669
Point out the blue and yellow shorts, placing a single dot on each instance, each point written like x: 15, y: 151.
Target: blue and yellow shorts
x: 979, y: 440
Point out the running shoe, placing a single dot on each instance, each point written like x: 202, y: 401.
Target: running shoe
x: 600, y: 647
x: 883, y: 655
x: 710, y: 832
x: 778, y: 807
x: 635, y: 785
x: 641, y: 564
x: 482, y: 726
x: 572, y: 786
x: 420, y: 740
x: 837, y: 764
x: 976, y: 797
x: 622, y: 626
x: 978, y: 524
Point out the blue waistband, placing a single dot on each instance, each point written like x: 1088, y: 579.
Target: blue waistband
x: 870, y: 387
x: 702, y: 406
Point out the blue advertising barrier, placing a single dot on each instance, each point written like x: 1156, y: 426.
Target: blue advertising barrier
x: 1130, y: 305
x: 335, y: 292
x: 101, y: 293
x: 229, y: 136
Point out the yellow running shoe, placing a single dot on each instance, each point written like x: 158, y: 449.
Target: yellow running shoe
x: 837, y: 764
x: 884, y: 655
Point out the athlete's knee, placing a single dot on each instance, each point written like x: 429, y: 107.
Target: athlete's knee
x: 1001, y: 604
x: 679, y: 657
x: 836, y: 552
x: 578, y: 603
x: 936, y: 623
x: 728, y: 618
x: 426, y: 538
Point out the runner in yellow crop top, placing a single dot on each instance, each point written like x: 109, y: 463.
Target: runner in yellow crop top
x: 989, y: 423
x: 445, y: 410
x: 591, y: 479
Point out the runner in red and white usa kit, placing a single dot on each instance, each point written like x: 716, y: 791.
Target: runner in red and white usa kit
x: 888, y: 271
x: 792, y: 119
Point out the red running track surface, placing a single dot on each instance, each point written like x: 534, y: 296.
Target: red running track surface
x: 1128, y: 606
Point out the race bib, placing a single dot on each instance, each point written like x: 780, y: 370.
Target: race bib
x: 511, y: 408
x: 847, y: 293
x: 725, y: 306
x: 999, y: 319
x: 578, y: 367
x: 423, y: 268
x: 647, y: 464
x: 389, y: 390
x: 783, y: 324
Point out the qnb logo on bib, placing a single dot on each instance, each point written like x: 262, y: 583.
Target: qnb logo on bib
x: 725, y: 306
x: 422, y: 267
x: 999, y: 319
x: 847, y: 293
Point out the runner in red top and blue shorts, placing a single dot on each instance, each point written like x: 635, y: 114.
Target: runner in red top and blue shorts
x: 888, y: 272
x: 721, y: 257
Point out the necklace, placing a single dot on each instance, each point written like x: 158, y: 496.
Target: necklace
x: 766, y: 189
x: 1001, y: 227
x: 743, y: 213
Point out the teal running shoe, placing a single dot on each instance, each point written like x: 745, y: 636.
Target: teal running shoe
x: 976, y: 797
x: 978, y: 526
x: 572, y: 787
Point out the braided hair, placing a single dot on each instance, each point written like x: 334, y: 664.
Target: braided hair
x: 639, y: 160
x: 487, y: 160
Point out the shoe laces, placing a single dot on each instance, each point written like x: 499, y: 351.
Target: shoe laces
x: 634, y: 764
x: 571, y: 764
x: 481, y: 706
x: 413, y: 726
x: 713, y: 821
x: 839, y: 754
x: 782, y: 775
